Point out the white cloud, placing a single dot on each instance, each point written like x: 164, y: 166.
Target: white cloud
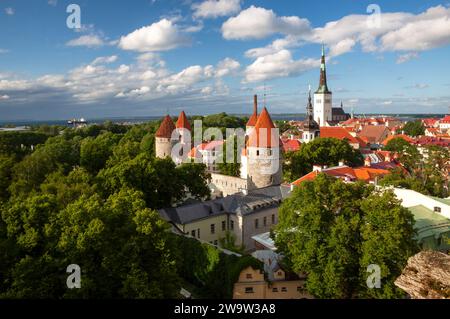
x: 258, y: 23
x: 402, y: 58
x: 10, y: 11
x: 105, y: 60
x: 226, y: 67
x: 216, y: 8
x: 280, y: 64
x: 160, y: 36
x: 52, y: 2
x: 3, y: 51
x: 90, y: 41
x: 419, y: 86
x: 425, y: 31
x: 123, y: 69
x: 4, y: 97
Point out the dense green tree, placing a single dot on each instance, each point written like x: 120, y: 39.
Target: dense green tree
x: 94, y: 152
x: 425, y: 172
x: 321, y: 151
x: 414, y: 128
x: 327, y: 230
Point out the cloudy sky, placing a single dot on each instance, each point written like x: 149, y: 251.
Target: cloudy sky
x: 150, y: 57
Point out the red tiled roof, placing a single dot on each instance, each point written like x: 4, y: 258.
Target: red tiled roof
x: 337, y: 132
x: 402, y: 136
x: 362, y: 173
x: 373, y: 133
x: 264, y: 125
x: 183, y: 121
x: 166, y: 128
x: 291, y: 145
x: 429, y: 122
x: 446, y: 119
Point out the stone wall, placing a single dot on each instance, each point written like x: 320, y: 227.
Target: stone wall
x: 229, y: 185
x: 163, y: 147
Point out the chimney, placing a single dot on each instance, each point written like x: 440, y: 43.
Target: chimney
x: 292, y: 187
x: 255, y: 104
x: 367, y: 161
x: 341, y: 163
x: 317, y: 168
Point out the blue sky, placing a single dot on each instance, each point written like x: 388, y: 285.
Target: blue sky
x: 144, y: 57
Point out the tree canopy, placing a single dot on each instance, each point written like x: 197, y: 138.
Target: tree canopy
x: 321, y: 151
x: 333, y: 231
x: 89, y: 197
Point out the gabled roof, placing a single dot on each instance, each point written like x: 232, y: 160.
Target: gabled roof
x: 261, y: 136
x: 362, y: 173
x: 446, y: 119
x: 402, y: 136
x: 374, y: 133
x: 337, y: 132
x: 291, y: 145
x: 183, y: 121
x: 166, y: 128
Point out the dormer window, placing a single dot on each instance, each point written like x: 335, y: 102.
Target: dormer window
x: 437, y: 209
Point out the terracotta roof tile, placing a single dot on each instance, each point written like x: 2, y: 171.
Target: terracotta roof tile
x: 166, y: 128
x: 264, y: 125
x: 183, y: 121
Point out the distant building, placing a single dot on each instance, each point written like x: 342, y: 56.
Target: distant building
x: 253, y: 284
x: 323, y: 97
x: 432, y: 216
x: 311, y: 129
x: 241, y: 215
x: 374, y: 134
x: 368, y: 173
x: 444, y: 124
x: 341, y: 133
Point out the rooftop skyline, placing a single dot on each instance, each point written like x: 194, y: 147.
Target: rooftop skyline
x: 147, y: 58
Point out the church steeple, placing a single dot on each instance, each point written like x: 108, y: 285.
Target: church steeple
x: 310, y: 124
x: 323, y: 87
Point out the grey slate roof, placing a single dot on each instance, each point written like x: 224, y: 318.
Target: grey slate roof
x: 241, y: 204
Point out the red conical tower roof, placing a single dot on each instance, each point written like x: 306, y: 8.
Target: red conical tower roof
x: 262, y: 133
x: 166, y: 128
x: 183, y: 121
x: 252, y: 120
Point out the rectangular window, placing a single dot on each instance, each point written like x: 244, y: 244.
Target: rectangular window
x: 215, y: 242
x: 249, y: 276
x: 269, y: 152
x: 231, y: 224
x: 274, y: 289
x: 249, y: 290
x: 198, y: 233
x: 265, y: 221
x: 193, y: 233
x: 224, y: 225
x: 283, y: 289
x: 213, y: 228
x: 256, y: 223
x: 437, y: 209
x: 273, y: 218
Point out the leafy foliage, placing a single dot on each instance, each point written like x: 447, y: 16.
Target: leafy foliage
x: 321, y: 151
x: 332, y: 230
x: 88, y: 197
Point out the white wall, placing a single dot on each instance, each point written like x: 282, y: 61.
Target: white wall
x: 411, y: 198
